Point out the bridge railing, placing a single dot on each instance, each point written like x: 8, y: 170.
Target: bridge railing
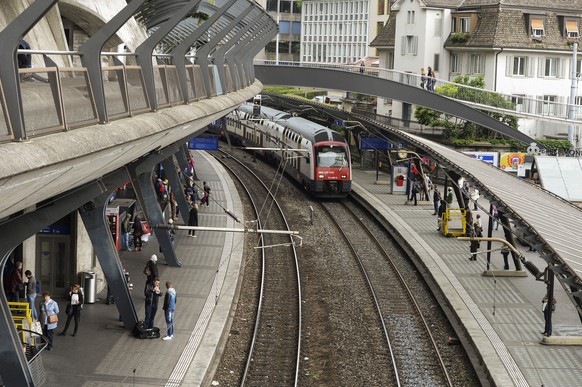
x: 59, y: 98
x: 485, y: 99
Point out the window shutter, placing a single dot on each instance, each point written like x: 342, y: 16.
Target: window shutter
x: 529, y: 70
x: 415, y: 49
x: 540, y: 67
x: 403, y: 51
x: 508, y: 66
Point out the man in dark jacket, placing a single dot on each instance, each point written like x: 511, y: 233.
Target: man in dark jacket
x: 152, y: 295
x: 193, y: 220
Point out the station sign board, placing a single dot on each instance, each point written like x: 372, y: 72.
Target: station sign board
x: 375, y: 143
x: 203, y: 143
x: 488, y: 157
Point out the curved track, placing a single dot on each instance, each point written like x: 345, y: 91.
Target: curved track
x: 275, y: 347
x: 415, y: 356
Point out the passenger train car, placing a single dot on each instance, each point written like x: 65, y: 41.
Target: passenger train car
x: 316, y: 157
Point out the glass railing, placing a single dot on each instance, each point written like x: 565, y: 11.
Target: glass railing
x: 479, y: 98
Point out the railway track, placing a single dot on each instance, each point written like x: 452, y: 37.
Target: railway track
x: 273, y: 356
x: 415, y: 356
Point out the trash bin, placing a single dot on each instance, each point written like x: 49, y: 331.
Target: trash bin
x: 89, y: 287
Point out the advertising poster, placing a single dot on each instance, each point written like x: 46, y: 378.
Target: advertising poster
x: 509, y: 162
x: 488, y: 157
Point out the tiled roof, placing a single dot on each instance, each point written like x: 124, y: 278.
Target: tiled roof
x: 385, y: 37
x: 555, y: 5
x: 509, y: 28
x: 435, y: 3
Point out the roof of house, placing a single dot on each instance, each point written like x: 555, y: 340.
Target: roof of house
x: 387, y: 34
x: 554, y: 5
x: 509, y: 28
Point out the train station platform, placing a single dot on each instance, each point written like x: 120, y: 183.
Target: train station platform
x: 501, y: 315
x: 105, y: 354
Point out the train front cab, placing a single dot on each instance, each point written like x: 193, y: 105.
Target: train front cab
x: 332, y: 169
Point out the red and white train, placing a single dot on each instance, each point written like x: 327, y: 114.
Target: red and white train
x: 315, y: 156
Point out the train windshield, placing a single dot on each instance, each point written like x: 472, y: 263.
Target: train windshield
x: 331, y: 156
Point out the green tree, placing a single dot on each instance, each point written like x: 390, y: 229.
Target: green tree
x: 457, y: 129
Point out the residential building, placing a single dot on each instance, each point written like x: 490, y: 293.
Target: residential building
x: 520, y: 47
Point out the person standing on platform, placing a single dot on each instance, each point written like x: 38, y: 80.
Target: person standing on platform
x: 422, y: 78
x: 475, y: 198
x: 548, y: 310
x: 31, y: 291
x: 16, y: 282
x: 151, y: 269
x: 137, y: 231
x: 193, y: 220
x: 125, y: 229
x: 495, y: 214
x: 169, y: 306
x: 49, y: 310
x: 73, y: 310
x: 475, y: 244
x: 441, y: 214
x: 478, y: 226
x: 449, y: 197
x: 152, y: 295
x: 414, y: 192
x: 436, y: 199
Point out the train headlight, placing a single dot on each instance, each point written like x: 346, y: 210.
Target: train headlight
x: 321, y: 176
x: 344, y: 176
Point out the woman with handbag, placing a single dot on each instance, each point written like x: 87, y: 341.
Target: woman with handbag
x: 49, y: 310
x: 74, y: 307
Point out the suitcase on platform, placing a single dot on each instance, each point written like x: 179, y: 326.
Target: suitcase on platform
x: 141, y: 332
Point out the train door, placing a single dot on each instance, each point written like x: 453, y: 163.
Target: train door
x: 53, y: 262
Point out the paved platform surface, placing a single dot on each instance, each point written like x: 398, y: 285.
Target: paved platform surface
x: 502, y: 315
x: 104, y: 354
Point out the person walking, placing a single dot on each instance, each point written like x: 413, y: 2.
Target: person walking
x: 152, y: 295
x: 436, y: 199
x: 125, y: 230
x: 137, y: 231
x: 31, y: 291
x: 495, y: 214
x: 193, y: 220
x: 151, y: 269
x: 16, y: 282
x: 73, y: 310
x: 49, y: 311
x: 206, y: 198
x: 548, y: 310
x: 169, y: 306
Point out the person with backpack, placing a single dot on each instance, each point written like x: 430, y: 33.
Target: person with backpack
x: 137, y: 230
x: 32, y: 289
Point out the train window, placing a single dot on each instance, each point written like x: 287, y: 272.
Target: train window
x: 331, y: 156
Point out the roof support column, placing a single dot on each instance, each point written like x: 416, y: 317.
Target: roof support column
x: 10, y: 38
x: 91, y: 58
x: 145, y: 50
x: 95, y: 220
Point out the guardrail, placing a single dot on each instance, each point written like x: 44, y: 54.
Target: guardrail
x: 58, y: 99
x: 518, y: 105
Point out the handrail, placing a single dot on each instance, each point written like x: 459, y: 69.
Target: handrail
x: 477, y: 98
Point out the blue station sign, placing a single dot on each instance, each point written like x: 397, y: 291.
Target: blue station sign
x: 375, y: 143
x: 203, y: 143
